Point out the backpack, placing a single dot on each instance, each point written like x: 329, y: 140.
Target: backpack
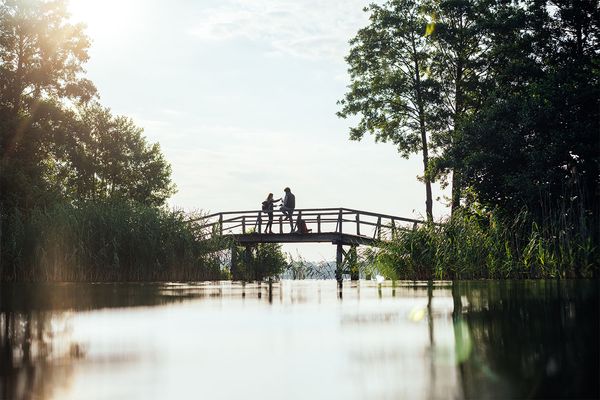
x: 302, y: 226
x: 265, y: 205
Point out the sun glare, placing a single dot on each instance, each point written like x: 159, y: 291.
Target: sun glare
x: 106, y: 18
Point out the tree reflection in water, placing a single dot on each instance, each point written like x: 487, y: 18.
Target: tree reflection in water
x: 33, y: 349
x: 37, y: 352
x: 429, y: 340
x: 527, y: 339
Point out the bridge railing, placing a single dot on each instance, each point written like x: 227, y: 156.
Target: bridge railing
x: 318, y: 220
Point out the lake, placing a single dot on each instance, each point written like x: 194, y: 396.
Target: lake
x: 300, y: 340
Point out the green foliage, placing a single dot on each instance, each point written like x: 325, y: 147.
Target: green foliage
x: 387, y: 64
x: 391, y: 89
x: 476, y: 244
x: 41, y: 66
x: 106, y: 241
x: 259, y: 262
x: 534, y: 141
x: 109, y: 157
x: 41, y: 55
x: 505, y: 95
x: 55, y: 144
x: 417, y: 71
x: 61, y: 155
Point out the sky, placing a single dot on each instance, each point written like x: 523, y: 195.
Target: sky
x: 241, y: 95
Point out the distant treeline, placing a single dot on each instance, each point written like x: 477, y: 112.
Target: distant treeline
x: 502, y: 101
x: 82, y: 192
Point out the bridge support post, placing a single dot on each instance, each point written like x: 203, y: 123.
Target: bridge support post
x: 247, y: 259
x: 339, y: 260
x: 233, y: 268
x: 349, y: 259
x: 352, y: 258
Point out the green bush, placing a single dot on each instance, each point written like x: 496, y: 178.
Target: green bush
x: 258, y: 262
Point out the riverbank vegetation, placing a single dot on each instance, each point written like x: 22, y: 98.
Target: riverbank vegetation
x: 82, y: 192
x: 108, y: 241
x: 502, y: 100
x: 255, y: 263
x: 475, y: 246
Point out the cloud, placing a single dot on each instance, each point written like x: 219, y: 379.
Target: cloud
x: 309, y: 29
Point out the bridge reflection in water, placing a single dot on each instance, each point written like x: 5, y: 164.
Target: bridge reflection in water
x: 343, y: 227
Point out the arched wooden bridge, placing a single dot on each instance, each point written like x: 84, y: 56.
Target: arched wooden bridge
x: 338, y: 226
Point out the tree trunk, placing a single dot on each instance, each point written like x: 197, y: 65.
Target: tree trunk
x: 458, y: 108
x: 425, y: 148
x: 456, y: 186
x: 428, y: 195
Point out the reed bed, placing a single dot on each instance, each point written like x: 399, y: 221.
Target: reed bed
x: 107, y: 241
x: 475, y: 246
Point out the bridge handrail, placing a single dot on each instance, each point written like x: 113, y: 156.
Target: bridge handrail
x: 262, y: 211
x: 252, y: 221
x: 307, y: 211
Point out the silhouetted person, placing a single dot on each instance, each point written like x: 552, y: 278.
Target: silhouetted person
x: 267, y: 206
x: 289, y: 204
x: 301, y: 225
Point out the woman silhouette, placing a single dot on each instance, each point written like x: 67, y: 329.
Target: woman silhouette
x: 267, y: 206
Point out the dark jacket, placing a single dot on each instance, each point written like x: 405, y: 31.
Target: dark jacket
x: 289, y: 201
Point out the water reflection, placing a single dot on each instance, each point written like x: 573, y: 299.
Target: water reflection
x: 300, y: 339
x: 531, y: 339
x: 29, y: 344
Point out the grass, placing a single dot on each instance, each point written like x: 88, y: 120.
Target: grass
x: 483, y: 245
x: 106, y: 241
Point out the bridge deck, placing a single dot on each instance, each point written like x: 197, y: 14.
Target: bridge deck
x: 344, y: 239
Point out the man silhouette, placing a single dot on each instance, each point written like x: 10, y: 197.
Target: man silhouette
x: 289, y: 204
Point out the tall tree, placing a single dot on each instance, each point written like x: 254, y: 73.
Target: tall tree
x: 535, y: 142
x: 51, y: 143
x: 41, y: 58
x: 390, y: 86
x: 41, y: 66
x: 459, y: 65
x: 107, y: 156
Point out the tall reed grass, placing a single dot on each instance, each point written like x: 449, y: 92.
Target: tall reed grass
x: 106, y: 241
x: 474, y: 245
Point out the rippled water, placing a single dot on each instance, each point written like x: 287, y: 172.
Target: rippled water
x: 300, y: 340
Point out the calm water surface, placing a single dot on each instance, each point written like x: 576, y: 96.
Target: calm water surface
x: 300, y: 340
